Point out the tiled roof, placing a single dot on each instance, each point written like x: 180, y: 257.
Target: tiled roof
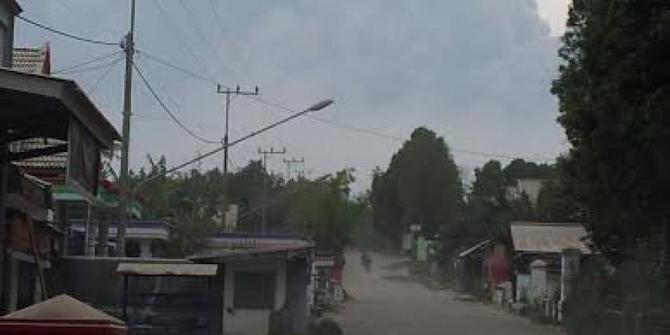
x: 32, y: 60
x: 37, y: 61
x: 56, y: 161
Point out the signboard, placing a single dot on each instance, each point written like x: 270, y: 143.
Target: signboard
x: 83, y: 163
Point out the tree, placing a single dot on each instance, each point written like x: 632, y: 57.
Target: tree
x: 520, y: 169
x: 556, y: 201
x: 614, y: 96
x: 421, y: 185
x: 323, y: 210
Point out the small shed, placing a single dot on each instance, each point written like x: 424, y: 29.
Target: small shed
x: 470, y: 267
x: 542, y: 243
x: 167, y: 298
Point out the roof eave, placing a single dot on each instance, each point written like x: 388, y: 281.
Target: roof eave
x: 68, y: 93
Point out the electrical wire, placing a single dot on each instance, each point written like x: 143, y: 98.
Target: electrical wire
x: 168, y: 111
x: 380, y: 134
x: 76, y: 66
x: 92, y: 68
x: 349, y: 127
x: 196, y: 27
x: 178, y: 33
x: 176, y: 67
x: 62, y: 33
x: 103, y: 76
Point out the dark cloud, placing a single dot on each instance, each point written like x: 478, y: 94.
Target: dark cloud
x: 478, y: 72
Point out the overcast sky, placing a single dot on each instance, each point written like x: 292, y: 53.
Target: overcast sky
x: 477, y: 72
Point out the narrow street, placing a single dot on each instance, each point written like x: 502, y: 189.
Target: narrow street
x: 387, y: 301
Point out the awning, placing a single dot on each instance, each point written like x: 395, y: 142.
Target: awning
x: 160, y: 269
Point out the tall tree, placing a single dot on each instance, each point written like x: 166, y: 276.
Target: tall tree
x: 421, y: 185
x: 614, y: 98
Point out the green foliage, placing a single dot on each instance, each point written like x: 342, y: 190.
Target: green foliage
x: 194, y: 203
x: 421, y: 185
x: 614, y: 101
x: 490, y: 209
x: 323, y: 210
x: 556, y: 201
x: 520, y: 169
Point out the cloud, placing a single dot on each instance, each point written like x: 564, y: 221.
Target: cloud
x: 477, y: 72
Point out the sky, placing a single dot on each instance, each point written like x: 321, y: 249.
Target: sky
x: 476, y: 72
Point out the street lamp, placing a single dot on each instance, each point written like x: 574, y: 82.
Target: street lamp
x: 320, y: 105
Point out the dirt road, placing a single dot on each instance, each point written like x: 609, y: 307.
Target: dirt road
x: 388, y: 302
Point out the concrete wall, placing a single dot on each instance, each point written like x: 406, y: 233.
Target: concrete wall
x: 298, y: 297
x: 252, y: 321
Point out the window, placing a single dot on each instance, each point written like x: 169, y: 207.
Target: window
x: 254, y: 290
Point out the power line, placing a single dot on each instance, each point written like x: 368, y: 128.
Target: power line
x: 380, y: 134
x: 168, y: 111
x: 93, y: 60
x: 349, y: 127
x: 104, y: 75
x: 177, y: 67
x: 196, y: 27
x: 62, y: 33
x: 177, y: 32
x: 92, y: 68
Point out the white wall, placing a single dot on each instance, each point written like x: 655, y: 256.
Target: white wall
x: 251, y: 321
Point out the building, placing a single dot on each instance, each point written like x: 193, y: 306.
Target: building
x: 529, y: 186
x: 57, y: 114
x: 470, y: 268
x: 266, y: 281
x: 546, y: 258
x: 8, y: 9
x: 144, y: 238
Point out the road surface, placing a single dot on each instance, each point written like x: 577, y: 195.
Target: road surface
x: 389, y: 302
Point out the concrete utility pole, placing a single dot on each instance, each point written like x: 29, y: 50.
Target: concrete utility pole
x: 129, y: 48
x: 228, y: 92
x: 288, y: 163
x: 265, y: 154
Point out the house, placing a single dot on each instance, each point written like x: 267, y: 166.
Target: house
x: 57, y: 114
x: 529, y: 186
x: 546, y: 258
x: 32, y: 239
x: 266, y: 281
x: 8, y: 9
x: 144, y: 238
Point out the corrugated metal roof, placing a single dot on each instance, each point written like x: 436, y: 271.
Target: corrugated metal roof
x: 61, y: 308
x: 158, y: 269
x: 548, y: 237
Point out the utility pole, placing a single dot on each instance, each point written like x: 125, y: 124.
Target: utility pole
x: 288, y: 163
x: 265, y: 154
x: 129, y: 48
x: 228, y: 92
